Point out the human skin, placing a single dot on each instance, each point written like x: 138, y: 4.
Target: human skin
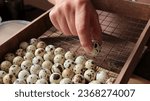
x: 77, y: 17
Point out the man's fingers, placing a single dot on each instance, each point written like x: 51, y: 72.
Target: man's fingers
x: 82, y: 23
x: 96, y: 29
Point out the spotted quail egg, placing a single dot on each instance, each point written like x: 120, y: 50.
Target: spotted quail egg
x: 47, y: 64
x: 37, y: 60
x: 26, y: 65
x: 80, y: 60
x: 31, y: 79
x: 67, y: 73
x: 14, y: 70
x: 31, y: 48
x: 29, y: 56
x: 57, y: 68
x: 23, y: 45
x: 69, y: 55
x: 41, y: 44
x: 5, y: 65
x: 9, y: 79
x: 59, y: 59
x: 41, y: 81
x: 23, y: 74
x: 20, y: 52
x: 59, y: 50
x: 49, y: 56
x: 17, y: 60
x: 33, y: 41
x: 9, y: 57
x: 35, y: 69
x: 78, y: 79
x: 39, y: 52
x: 94, y: 82
x: 50, y: 48
x: 66, y: 81
x: 19, y: 81
x: 2, y: 74
x: 79, y: 69
x: 96, y: 48
x: 44, y: 73
x: 102, y: 76
x: 89, y: 75
x: 90, y: 64
x: 69, y: 63
x: 55, y: 78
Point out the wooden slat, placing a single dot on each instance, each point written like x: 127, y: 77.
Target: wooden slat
x: 34, y: 29
x: 132, y: 60
x: 122, y: 7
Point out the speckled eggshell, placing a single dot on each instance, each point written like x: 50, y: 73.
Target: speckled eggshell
x: 69, y: 63
x: 26, y: 65
x: 23, y: 45
x: 69, y: 55
x: 66, y: 81
x: 33, y: 41
x: 89, y: 75
x: 41, y: 44
x: 55, y: 78
x: 2, y: 74
x: 31, y: 48
x: 50, y: 48
x: 23, y: 74
x: 78, y: 79
x: 9, y: 57
x: 44, y: 73
x: 31, y: 79
x: 35, y: 69
x: 96, y: 48
x: 41, y: 81
x: 59, y: 50
x: 37, y: 60
x: 49, y: 56
x: 14, y: 70
x: 94, y: 82
x: 102, y: 76
x: 5, y: 65
x: 20, y: 52
x: 59, y: 59
x: 67, y: 73
x: 9, y: 79
x: 17, y: 60
x: 80, y: 60
x: 47, y: 64
x: 19, y: 81
x: 90, y: 64
x: 57, y: 68
x: 29, y: 56
x: 39, y: 52
x: 79, y: 69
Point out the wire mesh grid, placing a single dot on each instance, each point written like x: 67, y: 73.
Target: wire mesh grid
x: 119, y: 37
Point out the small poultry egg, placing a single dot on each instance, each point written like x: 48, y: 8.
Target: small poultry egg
x: 57, y: 68
x: 29, y: 56
x: 67, y: 73
x: 66, y: 81
x: 37, y: 60
x: 23, y: 74
x: 5, y: 65
x: 55, y: 78
x: 50, y: 48
x: 17, y: 60
x: 20, y: 52
x: 41, y: 81
x: 26, y: 65
x: 9, y: 79
x: 9, y: 57
x: 69, y: 55
x: 96, y: 48
x: 79, y: 69
x: 44, y: 73
x: 59, y: 50
x: 19, y: 81
x: 78, y: 79
x: 89, y: 75
x: 14, y: 70
x: 2, y: 74
x: 35, y: 69
x: 69, y: 63
x: 59, y: 59
x: 31, y: 79
x: 41, y: 44
x: 47, y: 64
x: 31, y: 48
x: 90, y: 64
x: 33, y: 41
x: 49, y: 56
x: 102, y: 76
x: 39, y: 52
x: 23, y: 45
x: 80, y: 60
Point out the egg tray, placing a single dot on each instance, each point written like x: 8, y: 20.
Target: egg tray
x: 125, y: 26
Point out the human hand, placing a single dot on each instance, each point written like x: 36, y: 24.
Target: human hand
x: 77, y: 17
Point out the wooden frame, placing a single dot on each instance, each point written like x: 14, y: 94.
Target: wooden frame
x: 33, y: 30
